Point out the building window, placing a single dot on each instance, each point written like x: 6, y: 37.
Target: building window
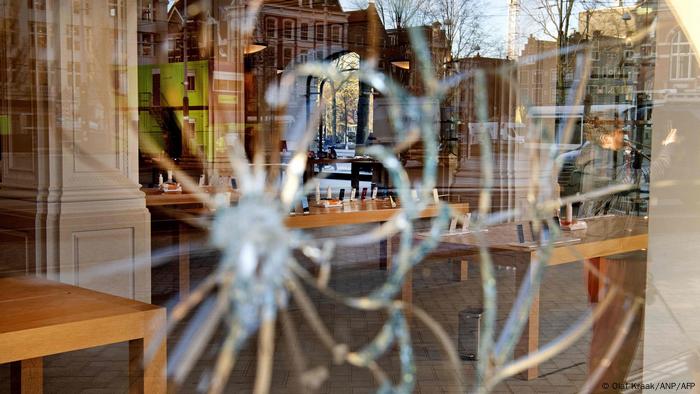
x: 537, y: 77
x: 38, y: 34
x: 610, y: 71
x: 287, y: 55
x: 147, y: 12
x: 524, y: 93
x: 288, y: 29
x: 682, y: 62
x: 190, y: 81
x: 393, y: 40
x: 271, y: 27
x: 37, y: 4
x: 595, y: 71
x: 224, y: 85
x: 336, y: 33
x: 524, y: 75
x: 304, y: 32
x: 72, y: 73
x: 303, y: 57
x: 319, y: 33
x: 146, y: 44
x: 73, y: 37
x: 537, y: 94
x: 114, y: 7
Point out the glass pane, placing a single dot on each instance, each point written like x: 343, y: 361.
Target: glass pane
x: 348, y: 196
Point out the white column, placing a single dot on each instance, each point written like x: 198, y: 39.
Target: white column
x: 70, y: 205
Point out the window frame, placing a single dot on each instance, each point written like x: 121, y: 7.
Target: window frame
x: 271, y: 27
x: 676, y: 55
x: 288, y: 29
x: 304, y: 31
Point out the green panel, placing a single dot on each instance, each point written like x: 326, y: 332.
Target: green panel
x: 172, y: 90
x: 4, y: 125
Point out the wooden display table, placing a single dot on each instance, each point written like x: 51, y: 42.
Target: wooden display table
x: 42, y: 318
x: 353, y: 212
x: 605, y: 236
x: 358, y: 212
x: 157, y: 198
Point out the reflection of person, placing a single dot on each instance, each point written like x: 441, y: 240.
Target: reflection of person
x: 595, y: 164
x: 627, y: 272
x: 332, y: 154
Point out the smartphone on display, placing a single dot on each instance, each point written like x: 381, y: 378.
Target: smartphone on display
x: 305, y: 205
x: 364, y: 193
x: 341, y: 195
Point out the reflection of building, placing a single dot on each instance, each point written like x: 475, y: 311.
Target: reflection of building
x: 608, y: 75
x: 608, y: 21
x: 401, y: 60
x: 191, y: 87
x: 366, y: 33
x: 498, y: 79
x: 537, y: 73
x: 152, y: 31
x: 492, y: 113
x: 290, y: 33
x: 69, y: 198
x: 677, y: 74
x: 296, y: 33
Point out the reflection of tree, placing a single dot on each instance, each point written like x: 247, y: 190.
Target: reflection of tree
x: 461, y: 21
x: 346, y: 96
x: 553, y: 19
x: 397, y: 14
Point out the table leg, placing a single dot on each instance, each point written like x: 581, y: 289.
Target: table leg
x: 147, y: 359
x: 628, y: 273
x: 27, y: 376
x: 385, y: 254
x: 460, y: 268
x: 407, y: 287
x: 530, y: 339
x: 308, y: 171
x: 183, y: 261
x: 407, y: 294
x: 595, y: 283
